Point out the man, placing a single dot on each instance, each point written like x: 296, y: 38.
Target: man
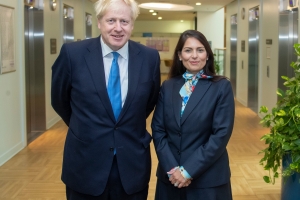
x: 107, y: 153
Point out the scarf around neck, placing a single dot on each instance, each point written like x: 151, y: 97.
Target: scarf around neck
x: 188, y: 87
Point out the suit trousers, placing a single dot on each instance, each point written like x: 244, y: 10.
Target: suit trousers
x: 113, y: 191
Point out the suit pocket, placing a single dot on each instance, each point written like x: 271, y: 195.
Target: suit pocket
x: 146, y: 139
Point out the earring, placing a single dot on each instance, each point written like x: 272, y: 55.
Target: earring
x: 206, y: 58
x: 179, y: 59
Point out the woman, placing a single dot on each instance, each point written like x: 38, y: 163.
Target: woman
x: 192, y: 124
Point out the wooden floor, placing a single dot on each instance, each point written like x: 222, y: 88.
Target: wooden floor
x: 34, y: 173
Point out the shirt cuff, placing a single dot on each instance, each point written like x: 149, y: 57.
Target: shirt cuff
x: 184, y: 173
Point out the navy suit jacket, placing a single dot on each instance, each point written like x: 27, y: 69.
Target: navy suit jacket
x: 197, y: 140
x: 80, y: 97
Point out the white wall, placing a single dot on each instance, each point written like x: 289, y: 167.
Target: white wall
x: 161, y: 27
x: 269, y: 24
x: 53, y: 31
x: 211, y: 24
x: 12, y: 95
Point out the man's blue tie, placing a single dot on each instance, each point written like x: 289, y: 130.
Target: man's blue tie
x: 114, y: 86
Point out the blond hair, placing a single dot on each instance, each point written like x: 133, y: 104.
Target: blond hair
x: 101, y: 6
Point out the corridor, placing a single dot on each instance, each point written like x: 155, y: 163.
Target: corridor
x: 34, y: 173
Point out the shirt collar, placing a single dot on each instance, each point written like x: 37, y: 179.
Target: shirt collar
x: 107, y: 50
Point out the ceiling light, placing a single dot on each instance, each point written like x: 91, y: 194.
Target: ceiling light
x: 165, y: 6
x: 151, y: 10
x: 154, y: 13
x: 198, y: 4
x: 159, y: 17
x: 181, y: 20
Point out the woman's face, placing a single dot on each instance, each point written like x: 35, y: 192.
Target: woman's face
x: 193, y: 55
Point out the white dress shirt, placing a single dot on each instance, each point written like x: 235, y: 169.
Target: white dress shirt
x: 123, y: 66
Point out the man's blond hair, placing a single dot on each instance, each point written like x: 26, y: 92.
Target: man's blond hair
x: 101, y: 6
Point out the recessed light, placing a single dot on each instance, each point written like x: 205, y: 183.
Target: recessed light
x: 159, y: 17
x: 151, y: 10
x: 181, y: 20
x: 154, y: 13
x: 198, y: 4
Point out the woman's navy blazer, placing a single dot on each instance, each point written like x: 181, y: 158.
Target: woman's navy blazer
x: 197, y: 140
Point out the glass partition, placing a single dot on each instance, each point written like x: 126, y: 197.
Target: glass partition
x: 220, y: 60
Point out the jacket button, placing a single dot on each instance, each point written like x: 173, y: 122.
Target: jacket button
x: 111, y: 148
x: 178, y: 152
x: 179, y: 134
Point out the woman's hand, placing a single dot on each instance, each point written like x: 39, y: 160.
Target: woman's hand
x: 178, y: 180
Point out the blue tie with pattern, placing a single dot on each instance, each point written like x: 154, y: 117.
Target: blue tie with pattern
x: 114, y: 86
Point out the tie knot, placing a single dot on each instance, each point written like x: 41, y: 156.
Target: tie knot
x: 115, y: 54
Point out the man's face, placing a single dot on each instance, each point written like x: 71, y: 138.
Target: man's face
x: 116, y: 26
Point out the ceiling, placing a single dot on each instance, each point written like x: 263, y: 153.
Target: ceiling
x: 206, y: 5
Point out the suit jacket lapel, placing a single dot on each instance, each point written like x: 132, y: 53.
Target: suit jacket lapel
x: 135, y: 63
x: 177, y: 100
x: 94, y: 60
x: 200, y: 90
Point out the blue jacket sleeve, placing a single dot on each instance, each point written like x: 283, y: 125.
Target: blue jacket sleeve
x: 61, y: 85
x: 163, y: 151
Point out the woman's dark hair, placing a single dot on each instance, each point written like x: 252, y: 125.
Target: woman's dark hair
x: 177, y: 67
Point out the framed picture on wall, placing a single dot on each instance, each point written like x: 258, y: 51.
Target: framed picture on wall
x: 160, y: 44
x: 7, y: 41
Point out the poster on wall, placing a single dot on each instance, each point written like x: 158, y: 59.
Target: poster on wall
x: 160, y: 44
x: 7, y: 43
